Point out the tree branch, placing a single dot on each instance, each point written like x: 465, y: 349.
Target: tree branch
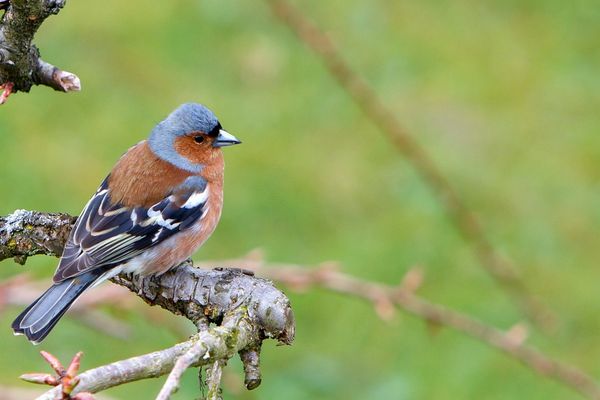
x: 205, y: 295
x: 213, y: 381
x: 20, y: 64
x: 246, y: 309
x: 197, y: 350
x: 27, y: 233
x: 385, y: 298
x: 236, y: 332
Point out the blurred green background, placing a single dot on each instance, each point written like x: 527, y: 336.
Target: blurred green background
x: 504, y: 95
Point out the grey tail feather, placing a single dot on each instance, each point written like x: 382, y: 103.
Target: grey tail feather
x: 39, y: 318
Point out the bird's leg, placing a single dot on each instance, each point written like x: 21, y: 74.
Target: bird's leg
x: 6, y: 91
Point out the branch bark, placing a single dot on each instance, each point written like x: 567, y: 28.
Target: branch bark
x: 27, y: 233
x: 246, y: 309
x: 20, y: 64
x: 219, y: 343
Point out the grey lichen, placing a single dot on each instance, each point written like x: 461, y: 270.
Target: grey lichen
x: 26, y: 233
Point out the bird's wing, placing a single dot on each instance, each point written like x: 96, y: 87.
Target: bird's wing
x: 106, y: 235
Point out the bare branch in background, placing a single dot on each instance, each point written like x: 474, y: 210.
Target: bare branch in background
x: 246, y: 309
x: 20, y: 64
x: 386, y: 299
x: 467, y: 223
x: 21, y: 290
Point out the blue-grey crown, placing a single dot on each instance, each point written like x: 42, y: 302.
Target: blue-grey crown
x: 187, y: 118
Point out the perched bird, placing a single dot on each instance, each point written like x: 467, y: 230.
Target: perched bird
x: 160, y: 202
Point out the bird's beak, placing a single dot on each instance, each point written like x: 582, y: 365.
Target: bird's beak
x: 225, y: 139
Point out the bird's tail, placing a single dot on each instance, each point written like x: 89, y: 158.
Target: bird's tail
x: 40, y: 317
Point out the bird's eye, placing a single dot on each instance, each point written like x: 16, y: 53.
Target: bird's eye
x: 198, y: 139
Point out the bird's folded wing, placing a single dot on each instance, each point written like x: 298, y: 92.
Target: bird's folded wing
x: 106, y: 234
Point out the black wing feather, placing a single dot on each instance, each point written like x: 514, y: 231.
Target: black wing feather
x: 106, y: 234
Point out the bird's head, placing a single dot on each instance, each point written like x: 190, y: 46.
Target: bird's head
x: 190, y: 137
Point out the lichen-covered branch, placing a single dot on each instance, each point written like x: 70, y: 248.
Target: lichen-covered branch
x: 251, y: 359
x: 200, y: 293
x: 20, y: 64
x: 235, y: 333
x: 244, y: 308
x: 27, y: 233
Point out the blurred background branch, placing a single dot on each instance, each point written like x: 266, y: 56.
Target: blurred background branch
x: 467, y: 223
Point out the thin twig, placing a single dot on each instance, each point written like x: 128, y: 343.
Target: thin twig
x: 237, y: 332
x: 213, y: 381
x: 186, y: 360
x: 501, y: 269
x: 150, y: 365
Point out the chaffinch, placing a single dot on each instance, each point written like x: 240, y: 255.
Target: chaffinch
x: 160, y: 202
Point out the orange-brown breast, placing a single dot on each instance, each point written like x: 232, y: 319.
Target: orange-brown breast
x: 170, y: 255
x: 140, y: 178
